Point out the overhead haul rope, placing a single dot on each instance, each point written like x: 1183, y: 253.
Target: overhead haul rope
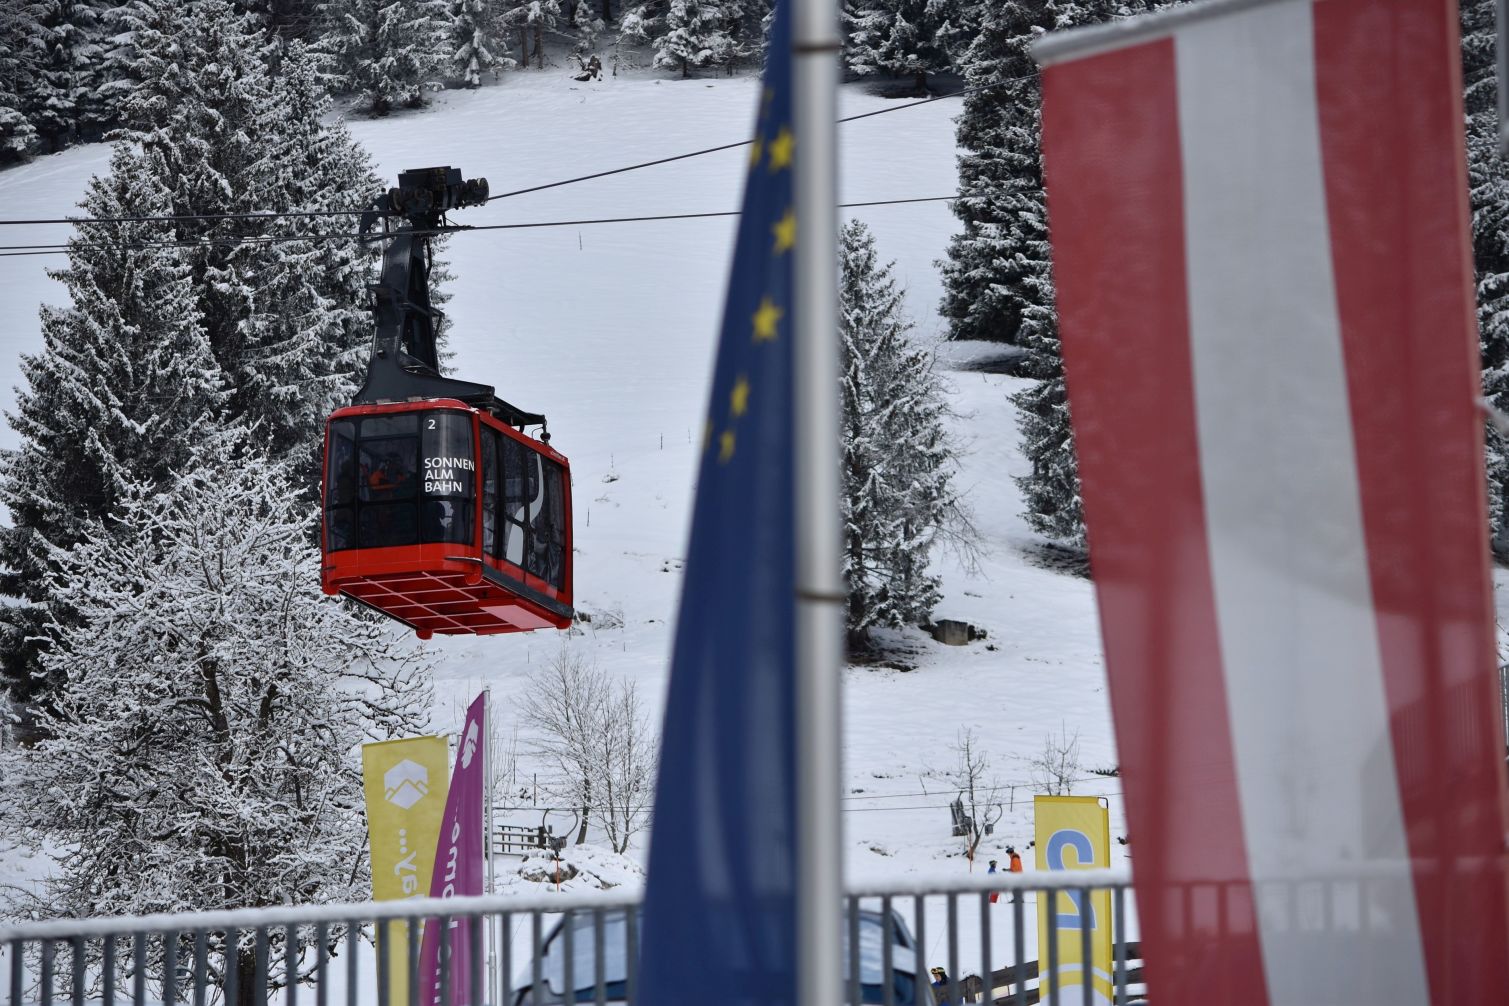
x: 13, y: 251
x: 745, y: 143
x: 306, y: 214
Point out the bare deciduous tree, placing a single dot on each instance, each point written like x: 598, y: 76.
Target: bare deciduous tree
x: 505, y: 764
x: 979, y: 790
x: 1056, y: 768
x: 594, y: 732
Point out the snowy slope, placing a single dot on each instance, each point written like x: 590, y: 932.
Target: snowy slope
x: 609, y: 330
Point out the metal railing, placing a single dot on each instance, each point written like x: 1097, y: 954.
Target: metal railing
x: 550, y: 949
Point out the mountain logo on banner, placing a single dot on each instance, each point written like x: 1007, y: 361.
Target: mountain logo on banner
x: 469, y: 746
x: 406, y: 783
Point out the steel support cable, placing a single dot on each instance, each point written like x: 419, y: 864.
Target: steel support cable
x: 172, y: 217
x: 204, y: 242
x: 9, y: 251
x: 745, y: 143
x: 306, y: 214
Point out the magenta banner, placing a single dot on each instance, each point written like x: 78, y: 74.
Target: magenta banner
x: 458, y: 865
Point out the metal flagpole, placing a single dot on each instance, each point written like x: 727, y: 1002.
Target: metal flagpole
x: 493, y: 988
x: 820, y: 593
x: 1501, y: 26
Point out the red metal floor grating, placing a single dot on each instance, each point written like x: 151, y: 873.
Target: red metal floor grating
x: 443, y: 603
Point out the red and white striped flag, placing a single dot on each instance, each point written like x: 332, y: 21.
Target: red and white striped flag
x: 1261, y: 248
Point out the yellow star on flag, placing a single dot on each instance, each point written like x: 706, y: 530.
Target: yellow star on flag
x: 726, y: 445
x: 738, y: 399
x: 765, y: 320
x: 785, y: 232
x: 780, y: 150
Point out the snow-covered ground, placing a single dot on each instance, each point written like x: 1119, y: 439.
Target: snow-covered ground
x: 610, y: 330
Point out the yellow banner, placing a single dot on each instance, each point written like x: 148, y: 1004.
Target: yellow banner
x: 405, y: 783
x: 1074, y: 833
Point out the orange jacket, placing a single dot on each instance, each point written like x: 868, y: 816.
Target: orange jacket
x: 1016, y: 863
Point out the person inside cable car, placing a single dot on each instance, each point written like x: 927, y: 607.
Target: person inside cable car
x: 388, y: 481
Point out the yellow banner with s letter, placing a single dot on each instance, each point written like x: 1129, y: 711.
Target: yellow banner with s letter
x: 405, y: 785
x: 1074, y: 833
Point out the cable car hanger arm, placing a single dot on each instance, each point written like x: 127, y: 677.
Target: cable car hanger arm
x: 405, y: 360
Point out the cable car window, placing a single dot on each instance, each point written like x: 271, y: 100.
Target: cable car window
x: 340, y: 529
x: 518, y: 489
x: 448, y: 520
x: 388, y: 469
x: 403, y: 424
x: 490, y: 539
x: 340, y: 487
x: 536, y: 560
x: 385, y: 524
x: 546, y: 525
x: 373, y: 482
x: 449, y: 473
x: 340, y: 478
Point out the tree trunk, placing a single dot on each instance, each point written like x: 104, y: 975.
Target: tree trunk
x: 607, y: 11
x: 581, y: 833
x: 539, y: 47
x: 523, y: 47
x: 858, y: 641
x: 246, y: 976
x: 921, y: 81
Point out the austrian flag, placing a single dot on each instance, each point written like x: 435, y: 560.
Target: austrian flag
x: 1261, y: 250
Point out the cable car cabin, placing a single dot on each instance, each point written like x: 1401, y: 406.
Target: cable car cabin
x: 438, y: 510
x: 446, y: 518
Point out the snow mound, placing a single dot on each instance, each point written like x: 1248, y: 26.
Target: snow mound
x: 582, y: 868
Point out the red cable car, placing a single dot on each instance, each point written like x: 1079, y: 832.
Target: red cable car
x: 439, y: 509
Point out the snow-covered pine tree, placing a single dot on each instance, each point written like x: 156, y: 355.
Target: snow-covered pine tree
x: 1488, y: 186
x: 984, y: 293
x: 638, y: 26
x: 898, y: 465
x: 288, y: 19
x: 302, y: 347
x: 388, y: 52
x: 478, y: 41
x: 1050, y: 489
x: 588, y: 22
x: 998, y: 278
x: 18, y: 27
x: 695, y: 35
x: 752, y: 26
x: 530, y: 20
x: 286, y: 321
x: 903, y: 37
x: 119, y: 72
x: 62, y: 101
x: 201, y: 752
x: 120, y: 392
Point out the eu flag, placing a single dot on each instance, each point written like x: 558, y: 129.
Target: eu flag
x: 720, y: 902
